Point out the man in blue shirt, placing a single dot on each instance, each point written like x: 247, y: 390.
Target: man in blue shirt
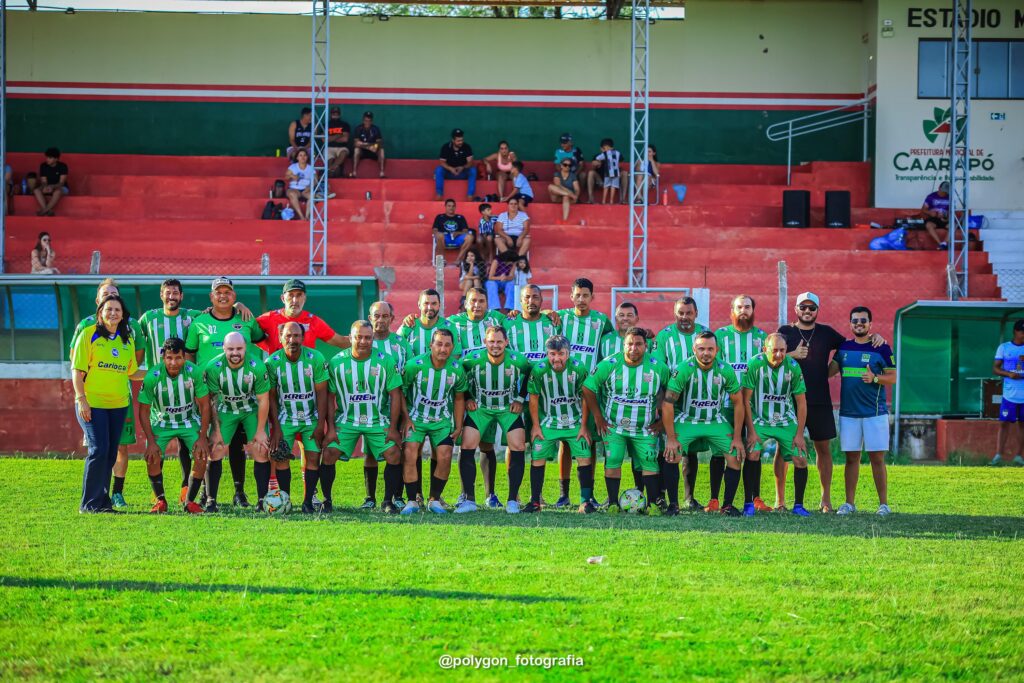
x: 1009, y: 364
x: 863, y: 415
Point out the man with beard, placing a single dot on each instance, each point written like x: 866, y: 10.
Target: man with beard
x: 739, y: 342
x: 673, y: 346
x: 418, y: 331
x: 812, y: 344
x: 529, y: 331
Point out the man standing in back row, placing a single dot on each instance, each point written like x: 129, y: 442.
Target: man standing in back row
x: 1009, y: 364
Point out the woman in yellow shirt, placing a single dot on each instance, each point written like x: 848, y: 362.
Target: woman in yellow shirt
x: 103, y: 363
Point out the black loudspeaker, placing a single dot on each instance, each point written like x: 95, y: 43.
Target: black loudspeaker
x: 796, y: 208
x: 837, y: 209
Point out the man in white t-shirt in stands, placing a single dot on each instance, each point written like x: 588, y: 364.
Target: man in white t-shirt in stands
x: 512, y: 231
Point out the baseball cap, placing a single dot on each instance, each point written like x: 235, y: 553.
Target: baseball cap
x: 222, y: 282
x: 1019, y: 326
x: 457, y: 133
x: 335, y: 109
x: 944, y: 186
x: 292, y: 284
x: 367, y: 114
x: 565, y: 138
x: 807, y: 296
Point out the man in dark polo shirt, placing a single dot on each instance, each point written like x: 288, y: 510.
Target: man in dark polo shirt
x: 812, y: 345
x: 338, y: 141
x: 369, y: 143
x: 456, y: 163
x: 52, y: 183
x: 451, y: 231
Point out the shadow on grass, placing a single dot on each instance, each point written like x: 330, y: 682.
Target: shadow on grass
x: 168, y: 587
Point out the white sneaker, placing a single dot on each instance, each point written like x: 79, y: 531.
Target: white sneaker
x: 436, y: 507
x: 883, y: 510
x: 996, y: 460
x: 846, y: 509
x: 1018, y: 461
x: 512, y: 507
x: 411, y: 508
x: 460, y: 500
x: 465, y: 506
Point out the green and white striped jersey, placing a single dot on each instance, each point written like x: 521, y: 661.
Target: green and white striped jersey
x: 585, y: 335
x: 418, y: 337
x: 672, y: 347
x: 158, y: 327
x: 236, y: 389
x: 429, y: 391
x: 206, y: 336
x: 394, y: 347
x: 737, y: 348
x: 628, y: 394
x: 295, y: 383
x: 362, y: 389
x: 701, y: 392
x: 469, y: 334
x: 774, y: 388
x: 172, y: 400
x: 496, y: 386
x: 611, y: 344
x: 528, y: 337
x: 560, y: 394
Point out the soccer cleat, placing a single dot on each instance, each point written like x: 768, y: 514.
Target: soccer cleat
x: 563, y: 502
x: 389, y: 508
x: 531, y: 507
x: 308, y: 509
x: 996, y: 461
x: 800, y: 511
x: 749, y: 509
x: 691, y: 505
x: 436, y: 507
x: 316, y: 501
x: 399, y: 502
x: 325, y: 508
x: 117, y: 502
x: 587, y: 508
x: 713, y: 506
x: 183, y: 496
x: 671, y: 511
x: 460, y: 500
x: 883, y: 510
x: 846, y: 509
x: 411, y: 508
x: 443, y: 502
x: 1018, y: 461
x: 465, y: 506
x: 211, y: 506
x: 159, y: 508
x: 240, y: 500
x: 760, y: 505
x: 193, y: 508
x: 731, y: 511
x: 493, y: 502
x: 661, y: 503
x: 513, y: 507
x: 368, y: 504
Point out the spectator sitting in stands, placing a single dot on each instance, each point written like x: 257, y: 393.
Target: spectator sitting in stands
x: 300, y: 182
x: 605, y: 172
x: 43, y: 256
x: 521, y: 189
x: 456, y: 159
x: 452, y: 232
x: 566, y: 150
x: 512, y: 230
x: 338, y: 139
x: 653, y: 169
x: 564, y: 188
x: 501, y: 282
x: 935, y: 212
x: 300, y: 133
x: 51, y: 184
x: 369, y: 143
x: 472, y: 272
x: 485, y: 230
x: 9, y: 189
x: 521, y: 277
x: 502, y: 160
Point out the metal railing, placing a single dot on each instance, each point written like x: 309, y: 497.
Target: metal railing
x: 855, y: 112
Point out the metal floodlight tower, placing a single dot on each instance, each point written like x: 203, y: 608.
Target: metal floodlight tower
x: 639, y: 107
x: 959, y: 149
x: 320, y: 79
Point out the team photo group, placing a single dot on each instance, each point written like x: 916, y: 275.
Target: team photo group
x: 571, y: 386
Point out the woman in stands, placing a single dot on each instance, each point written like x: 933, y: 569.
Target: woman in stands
x: 503, y: 160
x: 653, y: 172
x: 501, y: 282
x: 472, y: 272
x: 43, y: 256
x: 300, y: 180
x: 564, y: 188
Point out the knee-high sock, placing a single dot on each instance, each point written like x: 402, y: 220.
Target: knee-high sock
x: 193, y: 487
x: 370, y: 481
x: 585, y: 473
x: 157, y: 482
x: 751, y: 478
x: 492, y: 469
x: 433, y: 466
x: 436, y: 487
x: 261, y: 473
x: 516, y: 470
x: 414, y: 490
x: 717, y: 469
x: 652, y: 482
x: 392, y: 481
x: 185, y: 460
x: 670, y: 480
x: 613, y: 489
x: 213, y: 472
x: 236, y: 459
x: 732, y: 482
x: 327, y: 475
x: 691, y: 475
x: 638, y: 479
x: 467, y: 471
x: 309, y: 480
x: 799, y: 484
x: 284, y: 480
x: 118, y: 485
x: 536, y: 483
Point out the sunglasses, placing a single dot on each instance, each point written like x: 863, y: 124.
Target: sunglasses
x: 807, y: 307
x: 859, y: 321
x: 567, y: 164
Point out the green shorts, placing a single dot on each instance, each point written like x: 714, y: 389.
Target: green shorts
x: 784, y: 435
x: 713, y: 436
x: 230, y: 422
x: 548, y: 448
x: 642, y: 450
x: 439, y: 433
x: 128, y: 431
x: 375, y: 441
x: 303, y: 433
x: 165, y: 435
x: 484, y: 420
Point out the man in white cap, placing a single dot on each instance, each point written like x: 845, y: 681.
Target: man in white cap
x: 812, y: 344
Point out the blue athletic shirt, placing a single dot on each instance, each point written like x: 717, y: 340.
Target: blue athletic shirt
x: 857, y: 399
x: 1012, y: 356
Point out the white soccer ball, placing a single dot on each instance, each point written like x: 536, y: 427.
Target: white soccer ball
x: 632, y: 501
x: 277, y: 503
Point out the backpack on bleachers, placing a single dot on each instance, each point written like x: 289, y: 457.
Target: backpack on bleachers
x: 272, y: 211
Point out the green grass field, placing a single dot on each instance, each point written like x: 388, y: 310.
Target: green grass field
x: 932, y: 592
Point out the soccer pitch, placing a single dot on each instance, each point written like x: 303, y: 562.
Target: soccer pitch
x: 932, y: 592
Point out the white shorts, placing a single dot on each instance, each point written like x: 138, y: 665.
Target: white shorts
x: 611, y: 182
x: 869, y: 433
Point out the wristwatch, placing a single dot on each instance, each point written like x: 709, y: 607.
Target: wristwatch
x: 874, y: 380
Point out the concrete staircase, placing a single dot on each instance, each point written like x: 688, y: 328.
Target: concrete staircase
x: 1003, y: 239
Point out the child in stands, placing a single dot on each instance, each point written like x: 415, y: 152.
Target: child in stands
x: 472, y: 272
x: 486, y: 231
